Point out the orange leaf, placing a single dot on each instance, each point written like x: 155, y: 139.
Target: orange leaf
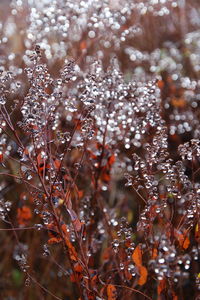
x: 178, y: 102
x: 40, y: 160
x: 161, y: 286
x: 111, y: 292
x: 64, y: 229
x: 106, y: 254
x: 90, y: 296
x: 143, y: 275
x: 183, y: 240
x: 154, y: 253
x: 137, y: 256
x: 23, y: 215
x: 72, y: 251
x: 78, y: 268
x: 57, y: 164
x: 94, y: 280
x: 186, y: 243
x: 83, y: 45
x: 73, y: 278
x: 80, y: 194
x: 105, y: 177
x: 111, y: 160
x: 160, y: 84
x: 54, y: 240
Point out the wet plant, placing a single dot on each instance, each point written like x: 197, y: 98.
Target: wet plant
x: 100, y: 150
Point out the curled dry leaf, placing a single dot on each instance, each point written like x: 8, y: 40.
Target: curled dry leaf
x: 137, y: 258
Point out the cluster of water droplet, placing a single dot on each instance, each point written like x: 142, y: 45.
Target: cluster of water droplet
x: 165, y: 261
x: 169, y: 263
x: 124, y: 238
x: 123, y: 109
x: 5, y: 207
x: 20, y: 255
x: 86, y: 211
x: 190, y: 150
